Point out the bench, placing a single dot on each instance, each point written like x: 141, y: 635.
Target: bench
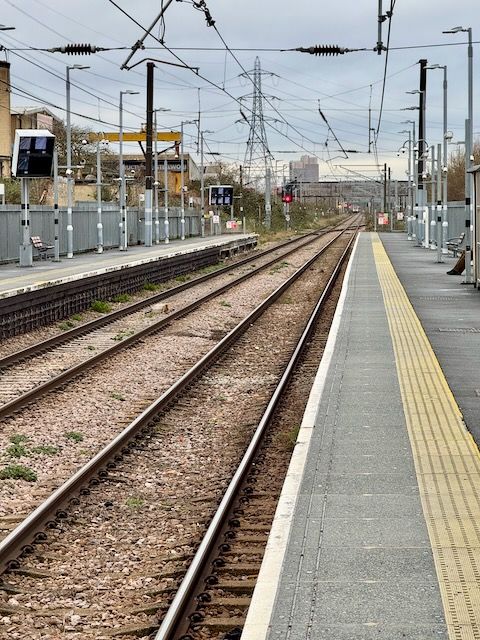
x: 40, y: 246
x: 455, y: 245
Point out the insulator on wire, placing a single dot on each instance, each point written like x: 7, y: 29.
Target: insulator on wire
x: 77, y: 49
x: 323, y: 50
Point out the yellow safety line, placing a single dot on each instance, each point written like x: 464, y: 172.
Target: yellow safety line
x: 447, y: 460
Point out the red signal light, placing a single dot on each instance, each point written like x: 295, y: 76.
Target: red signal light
x: 287, y: 197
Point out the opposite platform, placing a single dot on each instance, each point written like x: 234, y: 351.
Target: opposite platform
x: 377, y: 533
x: 15, y: 280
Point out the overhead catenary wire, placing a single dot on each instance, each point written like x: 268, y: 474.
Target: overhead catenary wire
x: 210, y: 82
x: 387, y: 49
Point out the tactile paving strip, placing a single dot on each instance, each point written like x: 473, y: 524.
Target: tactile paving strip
x: 447, y: 460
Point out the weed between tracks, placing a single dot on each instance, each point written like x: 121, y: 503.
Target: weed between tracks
x: 121, y: 297
x: 100, y: 306
x: 288, y: 438
x: 17, y: 451
x: 76, y: 436
x: 134, y: 503
x: 18, y: 472
x: 20, y: 449
x: 150, y: 286
x: 45, y: 449
x: 121, y: 335
x: 278, y: 267
x: 65, y: 326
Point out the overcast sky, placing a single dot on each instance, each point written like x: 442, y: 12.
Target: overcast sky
x: 299, y: 81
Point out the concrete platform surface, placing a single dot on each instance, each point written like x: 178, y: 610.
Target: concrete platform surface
x: 15, y: 279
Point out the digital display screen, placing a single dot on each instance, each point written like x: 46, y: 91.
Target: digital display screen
x: 221, y: 196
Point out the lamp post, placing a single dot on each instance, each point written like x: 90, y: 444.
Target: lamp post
x: 408, y: 227
x: 155, y: 181
x: 468, y: 154
x: 414, y: 180
x: 182, y: 180
x: 99, y: 196
x: 155, y: 170
x: 422, y: 209
x: 69, y: 171
x: 445, y: 158
x: 123, y: 215
x: 202, y: 184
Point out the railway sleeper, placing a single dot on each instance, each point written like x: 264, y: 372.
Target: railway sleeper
x: 244, y: 550
x: 31, y: 573
x: 149, y: 607
x: 11, y: 610
x: 220, y: 624
x: 10, y: 588
x: 245, y: 587
x: 239, y: 568
x: 232, y: 602
x: 136, y: 630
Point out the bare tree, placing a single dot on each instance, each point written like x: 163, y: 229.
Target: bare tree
x: 456, y: 172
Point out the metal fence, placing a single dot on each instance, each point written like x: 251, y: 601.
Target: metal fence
x: 456, y: 219
x: 85, y: 227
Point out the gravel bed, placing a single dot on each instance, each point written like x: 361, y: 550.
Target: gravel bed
x: 16, y: 343
x: 19, y: 378
x: 134, y: 533
x: 64, y: 430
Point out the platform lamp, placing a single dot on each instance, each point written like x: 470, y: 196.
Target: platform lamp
x: 182, y: 179
x: 408, y: 227
x: 69, y: 171
x: 123, y: 244
x: 414, y: 179
x: 155, y: 182
x: 446, y: 138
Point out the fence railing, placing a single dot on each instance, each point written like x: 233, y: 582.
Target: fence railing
x: 85, y: 227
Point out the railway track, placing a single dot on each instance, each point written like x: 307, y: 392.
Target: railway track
x: 141, y: 442
x: 56, y: 434
x: 61, y: 358
x: 213, y: 597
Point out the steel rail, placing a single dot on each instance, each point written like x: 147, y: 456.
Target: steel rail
x: 72, y: 372
x: 40, y: 347
x: 30, y: 530
x: 75, y: 332
x: 176, y: 614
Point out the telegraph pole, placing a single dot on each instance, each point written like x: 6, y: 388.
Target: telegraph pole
x: 421, y: 150
x: 268, y: 205
x: 55, y: 207
x: 385, y: 188
x: 148, y: 157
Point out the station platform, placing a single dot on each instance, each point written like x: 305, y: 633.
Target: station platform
x: 377, y: 532
x: 16, y: 280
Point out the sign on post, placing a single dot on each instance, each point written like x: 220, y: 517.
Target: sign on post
x: 33, y: 153
x: 32, y: 157
x: 220, y: 195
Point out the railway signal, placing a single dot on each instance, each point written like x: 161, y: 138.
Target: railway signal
x: 287, y: 193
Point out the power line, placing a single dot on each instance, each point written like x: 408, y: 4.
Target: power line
x: 210, y: 82
x: 390, y: 14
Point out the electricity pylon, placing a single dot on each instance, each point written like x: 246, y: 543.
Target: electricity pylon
x: 258, y: 159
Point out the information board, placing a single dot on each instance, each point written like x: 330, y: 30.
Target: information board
x: 220, y: 195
